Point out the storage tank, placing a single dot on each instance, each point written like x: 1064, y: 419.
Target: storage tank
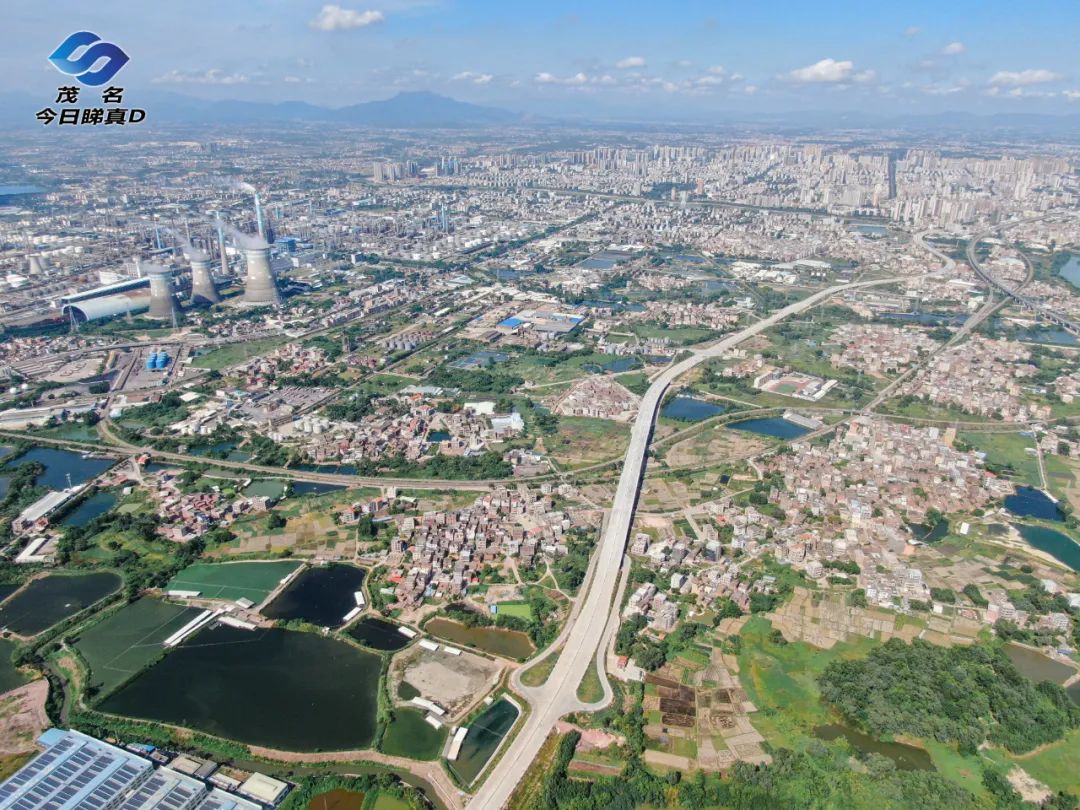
x: 162, y: 360
x: 151, y: 361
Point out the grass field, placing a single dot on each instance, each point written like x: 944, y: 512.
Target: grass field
x: 582, y: 440
x: 1007, y: 450
x: 10, y: 677
x: 1054, y: 764
x: 129, y: 640
x: 590, y: 689
x: 538, y: 675
x: 251, y: 580
x: 781, y: 680
x: 409, y: 735
x: 519, y: 609
x: 232, y: 354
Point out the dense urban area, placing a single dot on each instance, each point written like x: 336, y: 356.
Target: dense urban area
x: 540, y: 468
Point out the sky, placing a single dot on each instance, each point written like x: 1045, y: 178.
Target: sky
x: 680, y: 58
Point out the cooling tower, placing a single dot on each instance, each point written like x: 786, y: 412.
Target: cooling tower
x: 260, y: 289
x: 202, y: 283
x: 162, y: 300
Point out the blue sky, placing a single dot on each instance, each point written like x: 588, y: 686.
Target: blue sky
x: 685, y: 59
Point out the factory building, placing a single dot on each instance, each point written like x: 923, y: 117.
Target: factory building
x: 79, y: 772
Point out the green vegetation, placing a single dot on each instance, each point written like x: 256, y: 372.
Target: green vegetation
x: 570, y: 569
x: 10, y: 676
x: 1006, y: 454
x: 538, y: 674
x: 234, y: 353
x: 965, y: 695
x: 371, y: 786
x: 590, y: 690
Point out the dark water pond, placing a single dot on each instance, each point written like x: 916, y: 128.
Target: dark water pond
x: 320, y: 595
x: 46, y: 601
x: 378, y: 634
x: 59, y: 464
x: 484, y: 735
x: 691, y: 409
x: 278, y: 688
x: 1031, y: 502
x: 97, y: 504
x: 777, y: 427
x: 314, y: 488
x: 1033, y: 664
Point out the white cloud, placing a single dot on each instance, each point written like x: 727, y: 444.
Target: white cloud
x: 1024, y: 78
x: 631, y: 62
x: 825, y: 70
x: 953, y: 49
x: 912, y: 30
x: 474, y: 77
x: 750, y: 89
x: 1071, y: 95
x: 865, y: 76
x: 717, y: 70
x: 212, y: 76
x: 336, y: 18
x: 551, y: 78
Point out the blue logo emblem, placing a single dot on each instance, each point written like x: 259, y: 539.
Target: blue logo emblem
x: 97, y: 50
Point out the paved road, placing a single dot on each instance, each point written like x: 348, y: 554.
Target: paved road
x: 559, y: 694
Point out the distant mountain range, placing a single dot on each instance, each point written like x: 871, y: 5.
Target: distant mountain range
x: 425, y: 110
x: 413, y: 110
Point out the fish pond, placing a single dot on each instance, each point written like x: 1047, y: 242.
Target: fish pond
x: 485, y: 734
x: 378, y: 634
x: 1033, y: 664
x: 321, y: 595
x: 339, y: 799
x: 233, y: 580
x: 62, y: 464
x: 51, y: 599
x: 96, y: 505
x: 777, y: 427
x: 117, y: 647
x: 1057, y: 544
x: 271, y: 687
x: 1031, y: 502
x: 410, y: 735
x: 314, y: 488
x: 494, y: 640
x: 690, y: 409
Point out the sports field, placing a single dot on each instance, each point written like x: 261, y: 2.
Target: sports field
x: 128, y: 640
x: 250, y: 580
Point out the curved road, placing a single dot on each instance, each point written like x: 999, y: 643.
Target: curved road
x: 558, y: 695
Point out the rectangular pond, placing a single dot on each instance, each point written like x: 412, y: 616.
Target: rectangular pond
x: 51, y: 599
x: 483, y: 738
x: 321, y: 595
x: 776, y: 427
x: 277, y: 688
x: 250, y: 580
x: 494, y: 640
x: 378, y: 634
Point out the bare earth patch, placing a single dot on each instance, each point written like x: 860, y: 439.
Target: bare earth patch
x: 22, y: 717
x: 455, y: 682
x: 1031, y: 789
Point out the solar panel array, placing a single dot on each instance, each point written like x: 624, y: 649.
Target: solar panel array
x: 79, y: 772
